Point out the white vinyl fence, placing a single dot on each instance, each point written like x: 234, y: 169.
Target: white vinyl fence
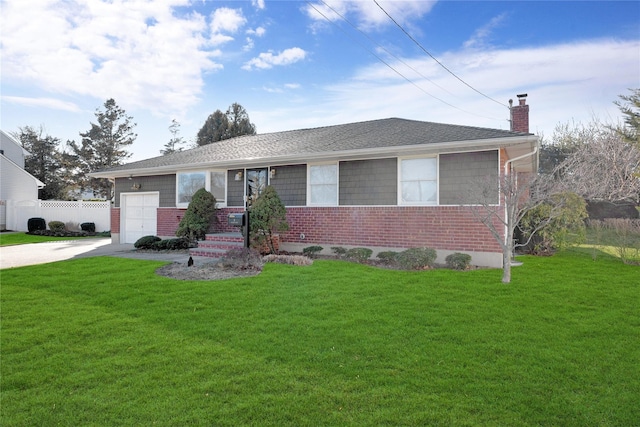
x: 18, y: 213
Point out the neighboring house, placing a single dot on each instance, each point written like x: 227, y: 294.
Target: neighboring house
x: 16, y: 184
x: 384, y: 184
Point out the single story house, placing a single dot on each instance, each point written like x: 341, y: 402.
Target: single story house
x: 387, y: 184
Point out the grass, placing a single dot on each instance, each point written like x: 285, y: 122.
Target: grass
x: 8, y: 239
x: 105, y: 341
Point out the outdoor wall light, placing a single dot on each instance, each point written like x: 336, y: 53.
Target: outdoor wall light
x: 136, y: 186
x: 273, y: 173
x: 130, y: 177
x: 238, y: 176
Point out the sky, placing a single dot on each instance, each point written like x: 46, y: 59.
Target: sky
x: 296, y: 64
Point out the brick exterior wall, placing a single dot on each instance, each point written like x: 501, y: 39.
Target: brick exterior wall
x: 115, y: 220
x: 168, y: 221
x: 439, y: 227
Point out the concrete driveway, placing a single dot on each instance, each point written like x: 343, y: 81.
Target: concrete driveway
x: 41, y: 253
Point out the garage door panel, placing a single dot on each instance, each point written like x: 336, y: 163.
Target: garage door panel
x: 140, y: 212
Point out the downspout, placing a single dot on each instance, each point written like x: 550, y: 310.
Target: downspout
x: 506, y: 172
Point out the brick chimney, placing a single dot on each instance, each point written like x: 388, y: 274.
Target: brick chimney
x: 519, y: 114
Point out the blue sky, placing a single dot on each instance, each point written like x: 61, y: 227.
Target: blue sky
x: 293, y: 68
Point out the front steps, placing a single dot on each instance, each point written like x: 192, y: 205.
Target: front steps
x: 215, y: 245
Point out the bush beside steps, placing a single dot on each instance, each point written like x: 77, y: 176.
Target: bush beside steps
x: 155, y: 243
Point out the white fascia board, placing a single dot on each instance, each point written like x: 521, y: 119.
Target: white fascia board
x: 522, y: 142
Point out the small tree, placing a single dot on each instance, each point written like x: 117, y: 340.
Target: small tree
x: 176, y: 141
x: 197, y: 218
x: 519, y: 194
x: 268, y: 216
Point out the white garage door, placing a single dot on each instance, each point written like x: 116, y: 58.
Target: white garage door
x: 139, y: 215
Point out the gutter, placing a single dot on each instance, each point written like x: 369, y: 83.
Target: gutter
x: 506, y: 172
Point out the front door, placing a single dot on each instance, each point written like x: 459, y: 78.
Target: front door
x: 256, y: 183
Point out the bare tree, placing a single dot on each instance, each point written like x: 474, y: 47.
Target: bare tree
x: 604, y: 168
x: 518, y: 194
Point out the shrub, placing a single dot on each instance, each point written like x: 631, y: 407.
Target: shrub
x: 36, y: 224
x: 242, y: 258
x: 388, y: 257
x: 417, y: 258
x: 197, y: 219
x: 312, y: 251
x: 268, y: 216
x: 171, y: 244
x: 563, y: 230
x: 358, y: 254
x: 146, y: 242
x: 338, y: 250
x: 288, y: 259
x: 458, y: 261
x: 88, y: 226
x: 57, y: 226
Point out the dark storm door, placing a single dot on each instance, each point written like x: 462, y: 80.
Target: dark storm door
x: 256, y: 183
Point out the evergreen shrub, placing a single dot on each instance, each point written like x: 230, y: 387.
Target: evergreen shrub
x: 57, y: 226
x: 358, y: 254
x: 312, y: 251
x: 146, y: 242
x: 458, y: 261
x: 417, y: 258
x: 197, y: 218
x: 388, y: 257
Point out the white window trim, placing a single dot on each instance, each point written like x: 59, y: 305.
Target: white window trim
x: 399, y: 183
x: 207, y: 185
x: 337, y: 199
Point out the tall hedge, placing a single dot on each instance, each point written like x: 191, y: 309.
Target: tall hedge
x: 197, y: 219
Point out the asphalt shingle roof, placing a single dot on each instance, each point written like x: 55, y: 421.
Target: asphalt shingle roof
x: 392, y: 132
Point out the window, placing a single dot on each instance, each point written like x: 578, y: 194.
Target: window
x: 219, y: 186
x: 323, y: 185
x: 419, y: 181
x: 188, y: 184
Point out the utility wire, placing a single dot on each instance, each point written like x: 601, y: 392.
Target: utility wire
x: 383, y: 48
x: 393, y: 69
x: 434, y: 58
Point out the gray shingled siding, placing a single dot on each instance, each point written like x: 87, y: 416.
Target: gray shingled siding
x: 460, y: 172
x: 291, y: 184
x: 235, y: 189
x: 165, y: 184
x: 369, y: 182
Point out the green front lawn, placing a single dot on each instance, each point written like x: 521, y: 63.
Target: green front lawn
x: 105, y: 341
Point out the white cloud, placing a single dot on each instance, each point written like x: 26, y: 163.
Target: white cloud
x: 258, y: 4
x: 258, y: 32
x: 249, y: 42
x: 140, y: 52
x: 268, y: 60
x: 225, y: 20
x: 51, y: 103
x: 481, y: 36
x: 367, y: 15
